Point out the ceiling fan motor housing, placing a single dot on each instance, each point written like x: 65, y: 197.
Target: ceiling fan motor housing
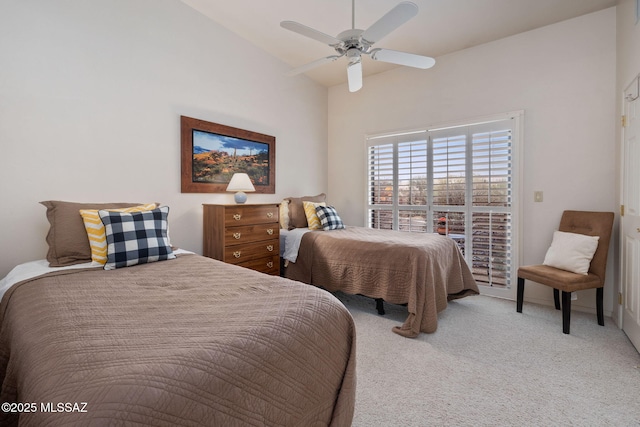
x: 352, y: 41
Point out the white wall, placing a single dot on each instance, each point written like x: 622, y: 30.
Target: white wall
x: 563, y: 77
x: 90, y: 99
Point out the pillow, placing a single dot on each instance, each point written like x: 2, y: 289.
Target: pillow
x: 329, y: 218
x: 136, y: 237
x: 297, y: 217
x: 284, y: 214
x: 310, y: 212
x: 571, y: 251
x: 67, y: 237
x: 95, y: 230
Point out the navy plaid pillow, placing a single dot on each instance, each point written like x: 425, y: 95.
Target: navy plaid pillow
x: 136, y: 237
x: 329, y: 218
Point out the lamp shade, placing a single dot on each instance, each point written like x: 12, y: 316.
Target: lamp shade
x: 240, y: 182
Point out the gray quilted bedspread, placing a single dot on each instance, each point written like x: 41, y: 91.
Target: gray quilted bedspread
x: 184, y: 342
x: 422, y: 270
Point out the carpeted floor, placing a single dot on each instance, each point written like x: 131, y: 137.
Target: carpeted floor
x: 487, y: 365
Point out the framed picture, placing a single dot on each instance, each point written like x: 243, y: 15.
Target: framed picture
x: 212, y: 153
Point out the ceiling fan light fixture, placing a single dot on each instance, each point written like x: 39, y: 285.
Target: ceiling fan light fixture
x: 354, y: 55
x: 354, y: 76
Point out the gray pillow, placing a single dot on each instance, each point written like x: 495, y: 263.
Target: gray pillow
x: 297, y: 217
x: 67, y: 237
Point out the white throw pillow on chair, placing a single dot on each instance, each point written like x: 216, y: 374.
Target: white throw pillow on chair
x: 571, y: 252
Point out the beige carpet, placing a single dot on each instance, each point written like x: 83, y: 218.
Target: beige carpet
x: 487, y: 365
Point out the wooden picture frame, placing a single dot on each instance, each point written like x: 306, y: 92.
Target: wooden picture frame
x: 211, y: 153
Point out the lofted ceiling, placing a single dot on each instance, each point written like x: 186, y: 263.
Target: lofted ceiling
x: 441, y: 26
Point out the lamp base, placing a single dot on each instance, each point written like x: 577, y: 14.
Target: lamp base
x: 240, y: 197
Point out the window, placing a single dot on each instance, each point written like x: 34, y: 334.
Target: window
x: 459, y: 181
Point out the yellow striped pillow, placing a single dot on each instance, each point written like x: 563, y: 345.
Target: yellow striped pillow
x: 310, y: 212
x: 96, y: 233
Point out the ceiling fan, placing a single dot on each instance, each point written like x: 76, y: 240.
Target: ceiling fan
x: 354, y: 43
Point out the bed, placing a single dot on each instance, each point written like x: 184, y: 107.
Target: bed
x: 182, y: 341
x: 421, y: 270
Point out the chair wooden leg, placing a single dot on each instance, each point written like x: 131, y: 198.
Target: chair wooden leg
x: 556, y: 298
x: 520, y: 295
x: 599, y: 307
x: 566, y: 311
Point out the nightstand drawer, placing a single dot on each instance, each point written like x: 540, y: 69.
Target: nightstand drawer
x: 250, y: 215
x: 242, y: 253
x: 251, y: 233
x: 269, y: 265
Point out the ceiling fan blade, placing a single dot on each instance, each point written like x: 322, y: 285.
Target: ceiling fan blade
x: 354, y: 75
x: 313, y: 64
x: 310, y: 32
x: 402, y: 58
x: 389, y: 22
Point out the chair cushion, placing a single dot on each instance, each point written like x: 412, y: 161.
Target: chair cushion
x: 559, y: 279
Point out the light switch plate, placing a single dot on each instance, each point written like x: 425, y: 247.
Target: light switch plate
x: 537, y: 196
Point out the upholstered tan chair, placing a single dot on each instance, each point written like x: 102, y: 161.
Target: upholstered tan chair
x: 587, y: 223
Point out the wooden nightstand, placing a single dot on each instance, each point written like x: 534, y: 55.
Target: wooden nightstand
x: 245, y: 235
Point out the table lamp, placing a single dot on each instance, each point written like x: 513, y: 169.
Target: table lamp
x: 240, y: 182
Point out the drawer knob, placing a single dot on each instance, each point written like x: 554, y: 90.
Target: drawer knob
x: 270, y: 248
x: 269, y: 231
x: 237, y: 217
x: 270, y: 264
x: 237, y: 235
x: 269, y: 214
x: 237, y: 254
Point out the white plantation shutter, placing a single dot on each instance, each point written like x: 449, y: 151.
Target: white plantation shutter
x: 491, y: 193
x: 412, y: 185
x: 491, y: 153
x: 396, y: 175
x: 412, y: 173
x: 449, y: 168
x: 449, y: 181
x: 463, y: 175
x: 381, y: 186
x: 491, y: 248
x: 381, y: 174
